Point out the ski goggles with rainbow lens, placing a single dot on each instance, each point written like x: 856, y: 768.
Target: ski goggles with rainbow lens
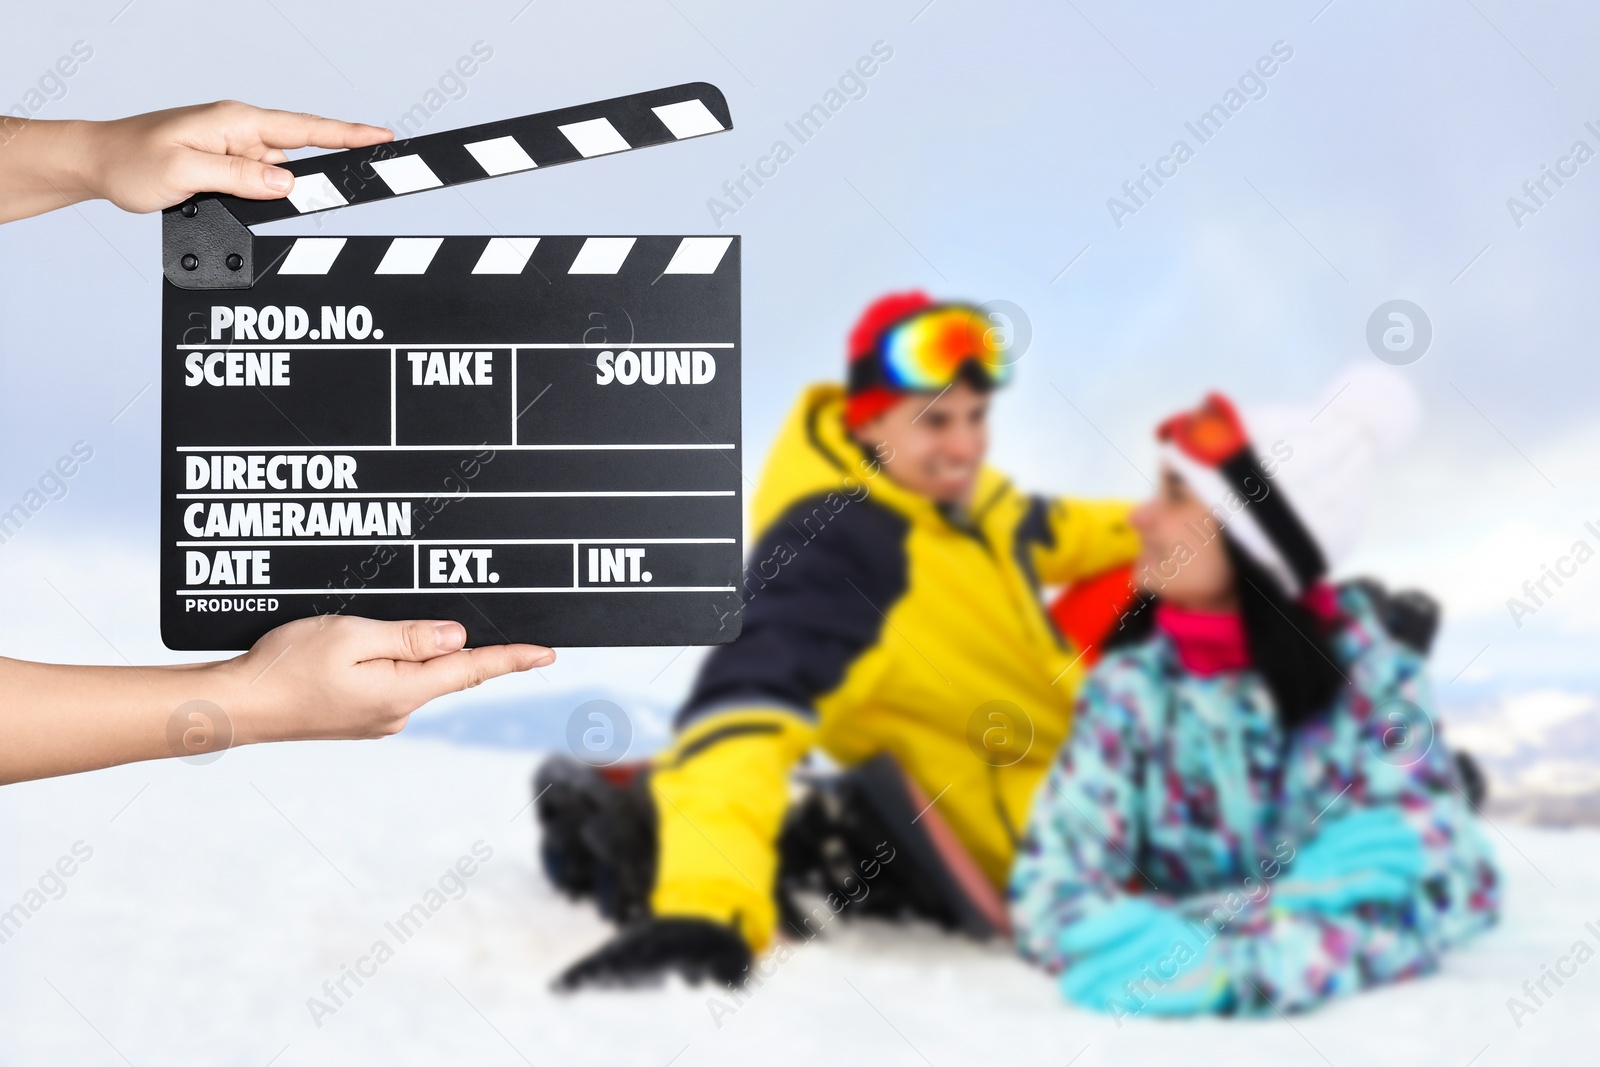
x: 929, y: 350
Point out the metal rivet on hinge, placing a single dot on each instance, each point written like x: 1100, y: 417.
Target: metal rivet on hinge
x: 190, y: 210
x: 190, y: 261
x: 234, y: 261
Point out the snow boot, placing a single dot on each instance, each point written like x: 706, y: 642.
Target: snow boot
x: 597, y: 834
x: 870, y: 839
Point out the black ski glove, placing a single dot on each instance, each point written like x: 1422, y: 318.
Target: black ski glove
x: 648, y: 951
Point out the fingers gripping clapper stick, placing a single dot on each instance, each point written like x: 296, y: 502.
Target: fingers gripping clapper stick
x: 538, y: 436
x: 218, y: 224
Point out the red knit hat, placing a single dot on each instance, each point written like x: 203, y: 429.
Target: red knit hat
x: 869, y: 403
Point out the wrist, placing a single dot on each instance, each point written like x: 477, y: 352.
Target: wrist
x: 211, y: 706
x: 241, y: 701
x: 77, y: 159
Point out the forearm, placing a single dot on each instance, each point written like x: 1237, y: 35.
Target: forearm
x: 1084, y: 827
x: 1045, y: 905
x: 1294, y: 961
x: 44, y: 165
x: 1050, y: 887
x: 60, y: 719
x: 330, y: 677
x: 1069, y: 868
x: 1087, y: 537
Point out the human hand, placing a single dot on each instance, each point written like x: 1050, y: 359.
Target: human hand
x: 153, y: 161
x: 1373, y: 855
x: 336, y: 677
x: 1172, y: 969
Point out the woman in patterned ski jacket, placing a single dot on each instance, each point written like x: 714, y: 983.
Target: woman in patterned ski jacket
x: 1253, y: 813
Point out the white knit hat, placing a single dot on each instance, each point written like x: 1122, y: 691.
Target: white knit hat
x: 1290, y: 484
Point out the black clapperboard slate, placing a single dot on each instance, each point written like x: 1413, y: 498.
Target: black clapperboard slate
x: 537, y: 436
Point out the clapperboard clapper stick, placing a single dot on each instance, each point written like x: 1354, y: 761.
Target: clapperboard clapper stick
x: 537, y: 436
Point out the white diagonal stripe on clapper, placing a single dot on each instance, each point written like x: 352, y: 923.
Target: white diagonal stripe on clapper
x: 311, y: 255
x: 313, y: 192
x: 409, y: 255
x: 689, y: 118
x: 501, y: 155
x: 406, y: 174
x: 698, y: 255
x: 602, y: 255
x: 505, y: 255
x: 594, y: 137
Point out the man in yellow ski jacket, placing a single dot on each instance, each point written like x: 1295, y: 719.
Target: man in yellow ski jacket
x: 891, y: 606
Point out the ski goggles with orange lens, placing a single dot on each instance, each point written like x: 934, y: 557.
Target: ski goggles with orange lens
x: 1210, y: 434
x: 931, y: 349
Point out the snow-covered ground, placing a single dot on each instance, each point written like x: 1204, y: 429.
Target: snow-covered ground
x: 215, y: 902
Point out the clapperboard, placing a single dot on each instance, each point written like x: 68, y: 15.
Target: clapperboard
x: 537, y: 436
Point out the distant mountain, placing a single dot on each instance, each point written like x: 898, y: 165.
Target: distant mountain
x: 1539, y: 747
x: 597, y: 721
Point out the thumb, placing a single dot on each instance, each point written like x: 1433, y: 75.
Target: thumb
x: 414, y: 641
x: 209, y: 172
x: 474, y: 666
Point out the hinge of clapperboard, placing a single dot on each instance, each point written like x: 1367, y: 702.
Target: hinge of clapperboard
x: 206, y: 242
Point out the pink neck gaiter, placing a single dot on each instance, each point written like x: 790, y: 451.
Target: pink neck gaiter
x: 1207, y: 642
